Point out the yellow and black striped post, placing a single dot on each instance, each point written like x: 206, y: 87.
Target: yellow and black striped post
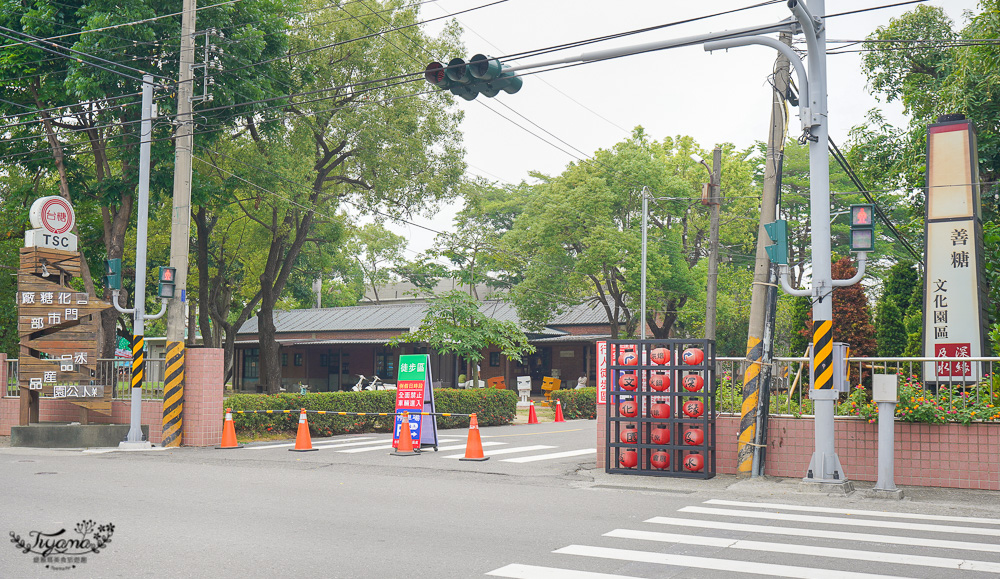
x: 173, y: 394
x: 138, y: 363
x: 748, y: 412
x: 822, y: 354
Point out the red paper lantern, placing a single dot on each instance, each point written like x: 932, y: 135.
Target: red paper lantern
x: 660, y: 410
x: 659, y: 382
x: 628, y: 358
x: 694, y: 462
x: 661, y: 435
x: 660, y: 460
x: 629, y: 435
x: 694, y: 437
x: 660, y: 356
x: 628, y: 459
x: 693, y: 408
x: 693, y: 382
x: 628, y: 381
x: 628, y: 408
x: 693, y: 356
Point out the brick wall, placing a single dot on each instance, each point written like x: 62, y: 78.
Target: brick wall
x: 62, y: 411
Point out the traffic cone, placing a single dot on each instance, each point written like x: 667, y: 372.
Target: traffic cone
x: 303, y: 442
x: 532, y: 417
x: 229, y: 432
x: 405, y: 445
x: 474, y: 445
x: 559, y: 416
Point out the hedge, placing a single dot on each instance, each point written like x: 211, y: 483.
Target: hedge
x: 493, y: 407
x: 580, y: 403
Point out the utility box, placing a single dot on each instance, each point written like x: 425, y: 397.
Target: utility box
x: 841, y: 369
x: 884, y: 388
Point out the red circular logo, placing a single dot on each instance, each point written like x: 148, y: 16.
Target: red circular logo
x: 57, y: 215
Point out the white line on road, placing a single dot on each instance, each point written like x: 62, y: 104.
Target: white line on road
x: 824, y: 534
x: 839, y: 521
x: 506, y: 450
x: 809, y: 550
x: 282, y: 445
x: 889, y: 514
x: 518, y: 571
x: 733, y: 566
x: 387, y: 446
x: 551, y: 456
x: 463, y: 446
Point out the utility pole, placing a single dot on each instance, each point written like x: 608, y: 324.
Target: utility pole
x: 714, y: 201
x: 180, y: 231
x: 764, y: 279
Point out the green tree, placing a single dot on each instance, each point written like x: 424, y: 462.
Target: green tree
x: 377, y: 253
x: 890, y: 331
x: 454, y: 324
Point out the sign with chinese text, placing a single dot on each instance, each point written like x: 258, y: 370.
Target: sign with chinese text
x: 53, y: 219
x: 602, y: 372
x: 415, y: 395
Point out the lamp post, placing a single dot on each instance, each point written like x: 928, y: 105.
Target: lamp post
x: 711, y: 198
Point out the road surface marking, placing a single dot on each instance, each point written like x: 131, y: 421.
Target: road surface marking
x: 531, y: 433
x: 889, y: 514
x: 839, y: 521
x: 823, y: 534
x: 463, y: 446
x: 506, y: 450
x: 282, y: 445
x: 811, y: 550
x: 518, y: 571
x: 389, y: 445
x: 551, y: 456
x: 734, y: 566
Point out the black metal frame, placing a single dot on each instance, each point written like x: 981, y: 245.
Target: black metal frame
x: 675, y: 394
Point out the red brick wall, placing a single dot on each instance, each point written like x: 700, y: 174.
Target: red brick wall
x: 62, y: 411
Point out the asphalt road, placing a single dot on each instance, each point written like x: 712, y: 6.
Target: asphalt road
x: 263, y: 511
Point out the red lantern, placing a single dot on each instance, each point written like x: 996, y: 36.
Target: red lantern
x: 694, y: 437
x: 660, y: 460
x: 628, y: 408
x: 661, y: 435
x: 693, y: 356
x: 628, y: 459
x: 693, y: 382
x: 660, y: 410
x: 628, y: 381
x: 628, y: 358
x: 629, y: 435
x: 693, y: 408
x: 694, y: 462
x: 660, y: 356
x: 659, y: 382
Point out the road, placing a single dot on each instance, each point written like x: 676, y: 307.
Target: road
x: 351, y: 510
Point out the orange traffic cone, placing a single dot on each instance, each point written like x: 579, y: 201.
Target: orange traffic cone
x: 405, y: 445
x: 303, y: 442
x: 532, y: 417
x: 559, y: 416
x: 474, y: 445
x: 229, y: 432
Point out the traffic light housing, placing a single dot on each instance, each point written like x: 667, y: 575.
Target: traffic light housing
x: 778, y: 232
x: 168, y: 277
x: 862, y: 227
x: 481, y: 75
x: 113, y: 274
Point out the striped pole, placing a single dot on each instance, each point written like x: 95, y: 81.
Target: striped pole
x: 822, y: 354
x: 748, y: 411
x: 138, y: 364
x: 173, y: 394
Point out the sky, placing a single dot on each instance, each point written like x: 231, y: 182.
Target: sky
x: 714, y: 97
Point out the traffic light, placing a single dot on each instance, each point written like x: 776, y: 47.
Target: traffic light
x: 862, y: 227
x: 168, y: 276
x: 113, y: 273
x: 481, y: 75
x: 778, y: 232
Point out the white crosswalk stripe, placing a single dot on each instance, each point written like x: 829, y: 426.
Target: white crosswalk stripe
x: 551, y: 456
x: 722, y: 540
x: 513, y: 450
x: 389, y: 445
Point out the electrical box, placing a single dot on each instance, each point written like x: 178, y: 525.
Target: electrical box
x: 884, y: 388
x: 841, y: 369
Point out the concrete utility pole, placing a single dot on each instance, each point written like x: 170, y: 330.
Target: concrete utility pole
x: 714, y: 202
x: 180, y: 231
x: 764, y: 278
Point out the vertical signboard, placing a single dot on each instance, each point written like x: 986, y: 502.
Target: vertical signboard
x: 414, y: 395
x: 954, y: 304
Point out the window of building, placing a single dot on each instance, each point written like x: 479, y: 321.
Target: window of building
x: 251, y: 363
x: 298, y: 359
x: 284, y: 359
x: 385, y: 365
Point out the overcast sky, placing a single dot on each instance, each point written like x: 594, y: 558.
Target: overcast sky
x: 714, y: 97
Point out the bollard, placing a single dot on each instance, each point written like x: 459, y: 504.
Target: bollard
x: 884, y: 394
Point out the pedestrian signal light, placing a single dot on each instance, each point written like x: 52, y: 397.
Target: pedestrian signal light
x: 168, y: 276
x: 862, y: 227
x: 778, y: 232
x: 113, y: 274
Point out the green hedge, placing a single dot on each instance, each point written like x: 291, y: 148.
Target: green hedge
x: 493, y: 407
x: 580, y: 403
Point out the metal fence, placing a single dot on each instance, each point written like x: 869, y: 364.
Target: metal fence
x: 958, y: 379
x: 114, y: 373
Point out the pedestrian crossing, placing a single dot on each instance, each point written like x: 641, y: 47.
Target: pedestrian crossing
x: 519, y: 454
x: 742, y: 538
